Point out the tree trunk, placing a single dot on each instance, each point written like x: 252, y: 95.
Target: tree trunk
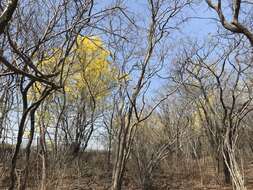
x: 19, y: 141
x: 109, y: 153
x: 43, y: 156
x: 117, y: 181
x: 226, y: 172
x: 28, y: 148
x: 119, y: 163
x: 118, y: 170
x: 147, y: 183
x: 43, y: 173
x: 234, y: 170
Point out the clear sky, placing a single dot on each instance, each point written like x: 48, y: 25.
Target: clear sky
x: 197, y: 27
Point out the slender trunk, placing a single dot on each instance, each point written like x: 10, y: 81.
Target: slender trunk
x: 234, y: 170
x: 120, y: 162
x: 28, y: 148
x: 226, y: 172
x: 117, y: 180
x: 43, y: 156
x: 118, y: 169
x: 19, y: 141
x: 56, y: 140
x: 147, y: 183
x: 109, y: 154
x: 109, y: 147
x: 43, y: 173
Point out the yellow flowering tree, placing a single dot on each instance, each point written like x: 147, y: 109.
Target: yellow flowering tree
x: 87, y: 68
x: 86, y: 76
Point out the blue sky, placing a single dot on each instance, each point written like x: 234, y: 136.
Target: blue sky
x: 195, y: 28
x: 199, y: 27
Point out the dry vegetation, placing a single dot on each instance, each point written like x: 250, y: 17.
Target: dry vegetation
x: 165, y: 110
x: 90, y: 171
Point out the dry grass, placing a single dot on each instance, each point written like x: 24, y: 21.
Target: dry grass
x: 90, y: 172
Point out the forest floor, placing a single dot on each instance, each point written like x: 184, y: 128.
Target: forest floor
x: 166, y: 181
x: 186, y: 178
x: 94, y: 175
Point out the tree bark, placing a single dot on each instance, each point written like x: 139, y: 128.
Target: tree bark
x: 147, y: 183
x: 227, y: 177
x: 28, y: 148
x: 118, y: 169
x: 7, y: 14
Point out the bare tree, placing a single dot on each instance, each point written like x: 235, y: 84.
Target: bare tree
x: 230, y: 93
x: 6, y: 14
x: 27, y: 54
x: 128, y: 115
x: 235, y: 26
x: 154, y: 141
